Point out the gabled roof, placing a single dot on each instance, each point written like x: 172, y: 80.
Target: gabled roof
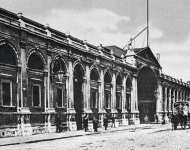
x: 147, y: 54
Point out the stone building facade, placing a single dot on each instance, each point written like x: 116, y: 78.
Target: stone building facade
x: 45, y: 73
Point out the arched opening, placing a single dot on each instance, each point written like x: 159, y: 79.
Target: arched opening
x: 8, y: 85
x: 119, y: 93
x: 7, y: 55
x: 107, y: 91
x: 59, y: 88
x: 58, y: 65
x: 78, y: 94
x: 128, y: 95
x: 35, y: 62
x: 94, y: 87
x: 147, y: 86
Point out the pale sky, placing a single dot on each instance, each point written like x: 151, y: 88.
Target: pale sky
x: 113, y: 22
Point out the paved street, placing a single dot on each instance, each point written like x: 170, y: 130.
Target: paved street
x: 150, y: 137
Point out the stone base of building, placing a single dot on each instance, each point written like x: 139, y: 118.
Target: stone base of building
x: 134, y: 118
x: 160, y: 116
x: 72, y: 126
x: 125, y: 121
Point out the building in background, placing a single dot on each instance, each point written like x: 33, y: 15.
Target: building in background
x: 46, y: 74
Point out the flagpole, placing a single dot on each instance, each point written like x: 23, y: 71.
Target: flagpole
x: 147, y: 23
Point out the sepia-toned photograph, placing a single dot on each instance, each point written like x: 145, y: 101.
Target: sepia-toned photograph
x: 94, y: 75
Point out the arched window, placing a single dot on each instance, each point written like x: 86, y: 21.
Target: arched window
x: 35, y: 62
x: 107, y: 90
x: 58, y: 65
x: 7, y: 55
x: 94, y: 77
x: 107, y: 78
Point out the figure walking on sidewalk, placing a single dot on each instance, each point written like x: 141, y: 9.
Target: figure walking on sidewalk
x: 113, y: 122
x: 85, y: 123
x: 95, y: 124
x: 58, y: 122
x: 105, y: 122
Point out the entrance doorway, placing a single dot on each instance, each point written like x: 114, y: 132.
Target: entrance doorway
x: 78, y: 94
x: 147, y: 85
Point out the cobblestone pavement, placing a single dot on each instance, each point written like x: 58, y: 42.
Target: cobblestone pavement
x: 144, y: 137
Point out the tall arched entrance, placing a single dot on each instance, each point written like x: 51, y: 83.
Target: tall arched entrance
x: 147, y: 85
x: 8, y: 85
x: 107, y: 91
x: 94, y: 90
x: 78, y: 94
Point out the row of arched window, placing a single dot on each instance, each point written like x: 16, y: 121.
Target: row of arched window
x: 9, y: 57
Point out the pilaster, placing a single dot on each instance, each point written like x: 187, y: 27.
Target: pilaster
x: 159, y: 102
x: 177, y: 95
x: 87, y: 89
x: 134, y: 102
x: 101, y: 92
x: 113, y: 94
x: 124, y: 94
x: 169, y: 99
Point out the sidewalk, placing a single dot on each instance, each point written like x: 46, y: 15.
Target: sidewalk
x: 68, y: 134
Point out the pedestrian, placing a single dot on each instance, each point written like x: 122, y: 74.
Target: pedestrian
x: 113, y: 122
x: 105, y: 122
x: 95, y: 124
x: 85, y: 123
x: 58, y: 123
x: 163, y: 119
x: 156, y: 118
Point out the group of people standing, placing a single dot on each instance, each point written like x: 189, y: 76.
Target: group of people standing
x: 95, y: 122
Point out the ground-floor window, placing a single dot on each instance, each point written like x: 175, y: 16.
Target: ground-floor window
x: 6, y: 86
x: 36, y: 95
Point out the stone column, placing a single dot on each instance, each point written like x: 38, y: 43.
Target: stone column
x: 23, y: 79
x: 101, y: 97
x: 174, y: 96
x: 169, y: 99
x: 48, y: 81
x: 87, y: 90
x: 113, y: 94
x: 71, y: 91
x: 159, y: 102
x: 18, y: 83
x: 101, y: 91
x: 23, y: 90
x: 124, y: 94
x: 177, y: 95
x: 71, y: 111
x: 124, y: 119
x: 173, y: 99
x: 166, y: 104
x: 134, y: 101
x: 47, y: 102
x: 165, y: 99
x: 19, y: 95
